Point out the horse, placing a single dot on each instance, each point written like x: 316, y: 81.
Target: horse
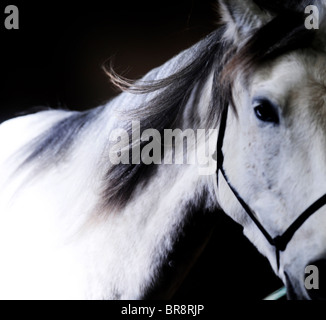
x: 76, y: 225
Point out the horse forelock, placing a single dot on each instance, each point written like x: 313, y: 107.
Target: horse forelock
x: 283, y: 34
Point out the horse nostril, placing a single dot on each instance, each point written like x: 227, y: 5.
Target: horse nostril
x: 315, y: 280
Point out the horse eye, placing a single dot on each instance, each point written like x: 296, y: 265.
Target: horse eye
x: 266, y: 111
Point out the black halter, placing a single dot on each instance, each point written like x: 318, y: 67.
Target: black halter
x: 280, y: 242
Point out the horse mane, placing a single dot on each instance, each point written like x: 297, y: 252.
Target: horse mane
x: 284, y: 33
x: 165, y: 110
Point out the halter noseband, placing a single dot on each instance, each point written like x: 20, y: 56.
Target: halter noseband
x: 280, y: 242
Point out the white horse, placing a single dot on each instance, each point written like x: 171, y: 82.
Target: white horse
x: 75, y: 226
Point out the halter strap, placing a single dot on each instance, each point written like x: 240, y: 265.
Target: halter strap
x: 280, y: 242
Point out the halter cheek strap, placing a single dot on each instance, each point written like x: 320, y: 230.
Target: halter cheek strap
x: 280, y: 242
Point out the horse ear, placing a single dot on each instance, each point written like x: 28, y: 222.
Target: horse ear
x: 242, y: 17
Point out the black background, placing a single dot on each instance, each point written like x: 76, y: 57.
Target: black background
x: 55, y: 59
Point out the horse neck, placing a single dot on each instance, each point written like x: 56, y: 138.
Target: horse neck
x: 144, y: 232
x: 140, y: 238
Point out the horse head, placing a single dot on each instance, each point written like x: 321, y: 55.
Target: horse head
x: 275, y: 134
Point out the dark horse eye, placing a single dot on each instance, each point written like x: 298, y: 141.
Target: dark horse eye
x: 266, y: 111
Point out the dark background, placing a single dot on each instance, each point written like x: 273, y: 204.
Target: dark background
x: 55, y: 60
